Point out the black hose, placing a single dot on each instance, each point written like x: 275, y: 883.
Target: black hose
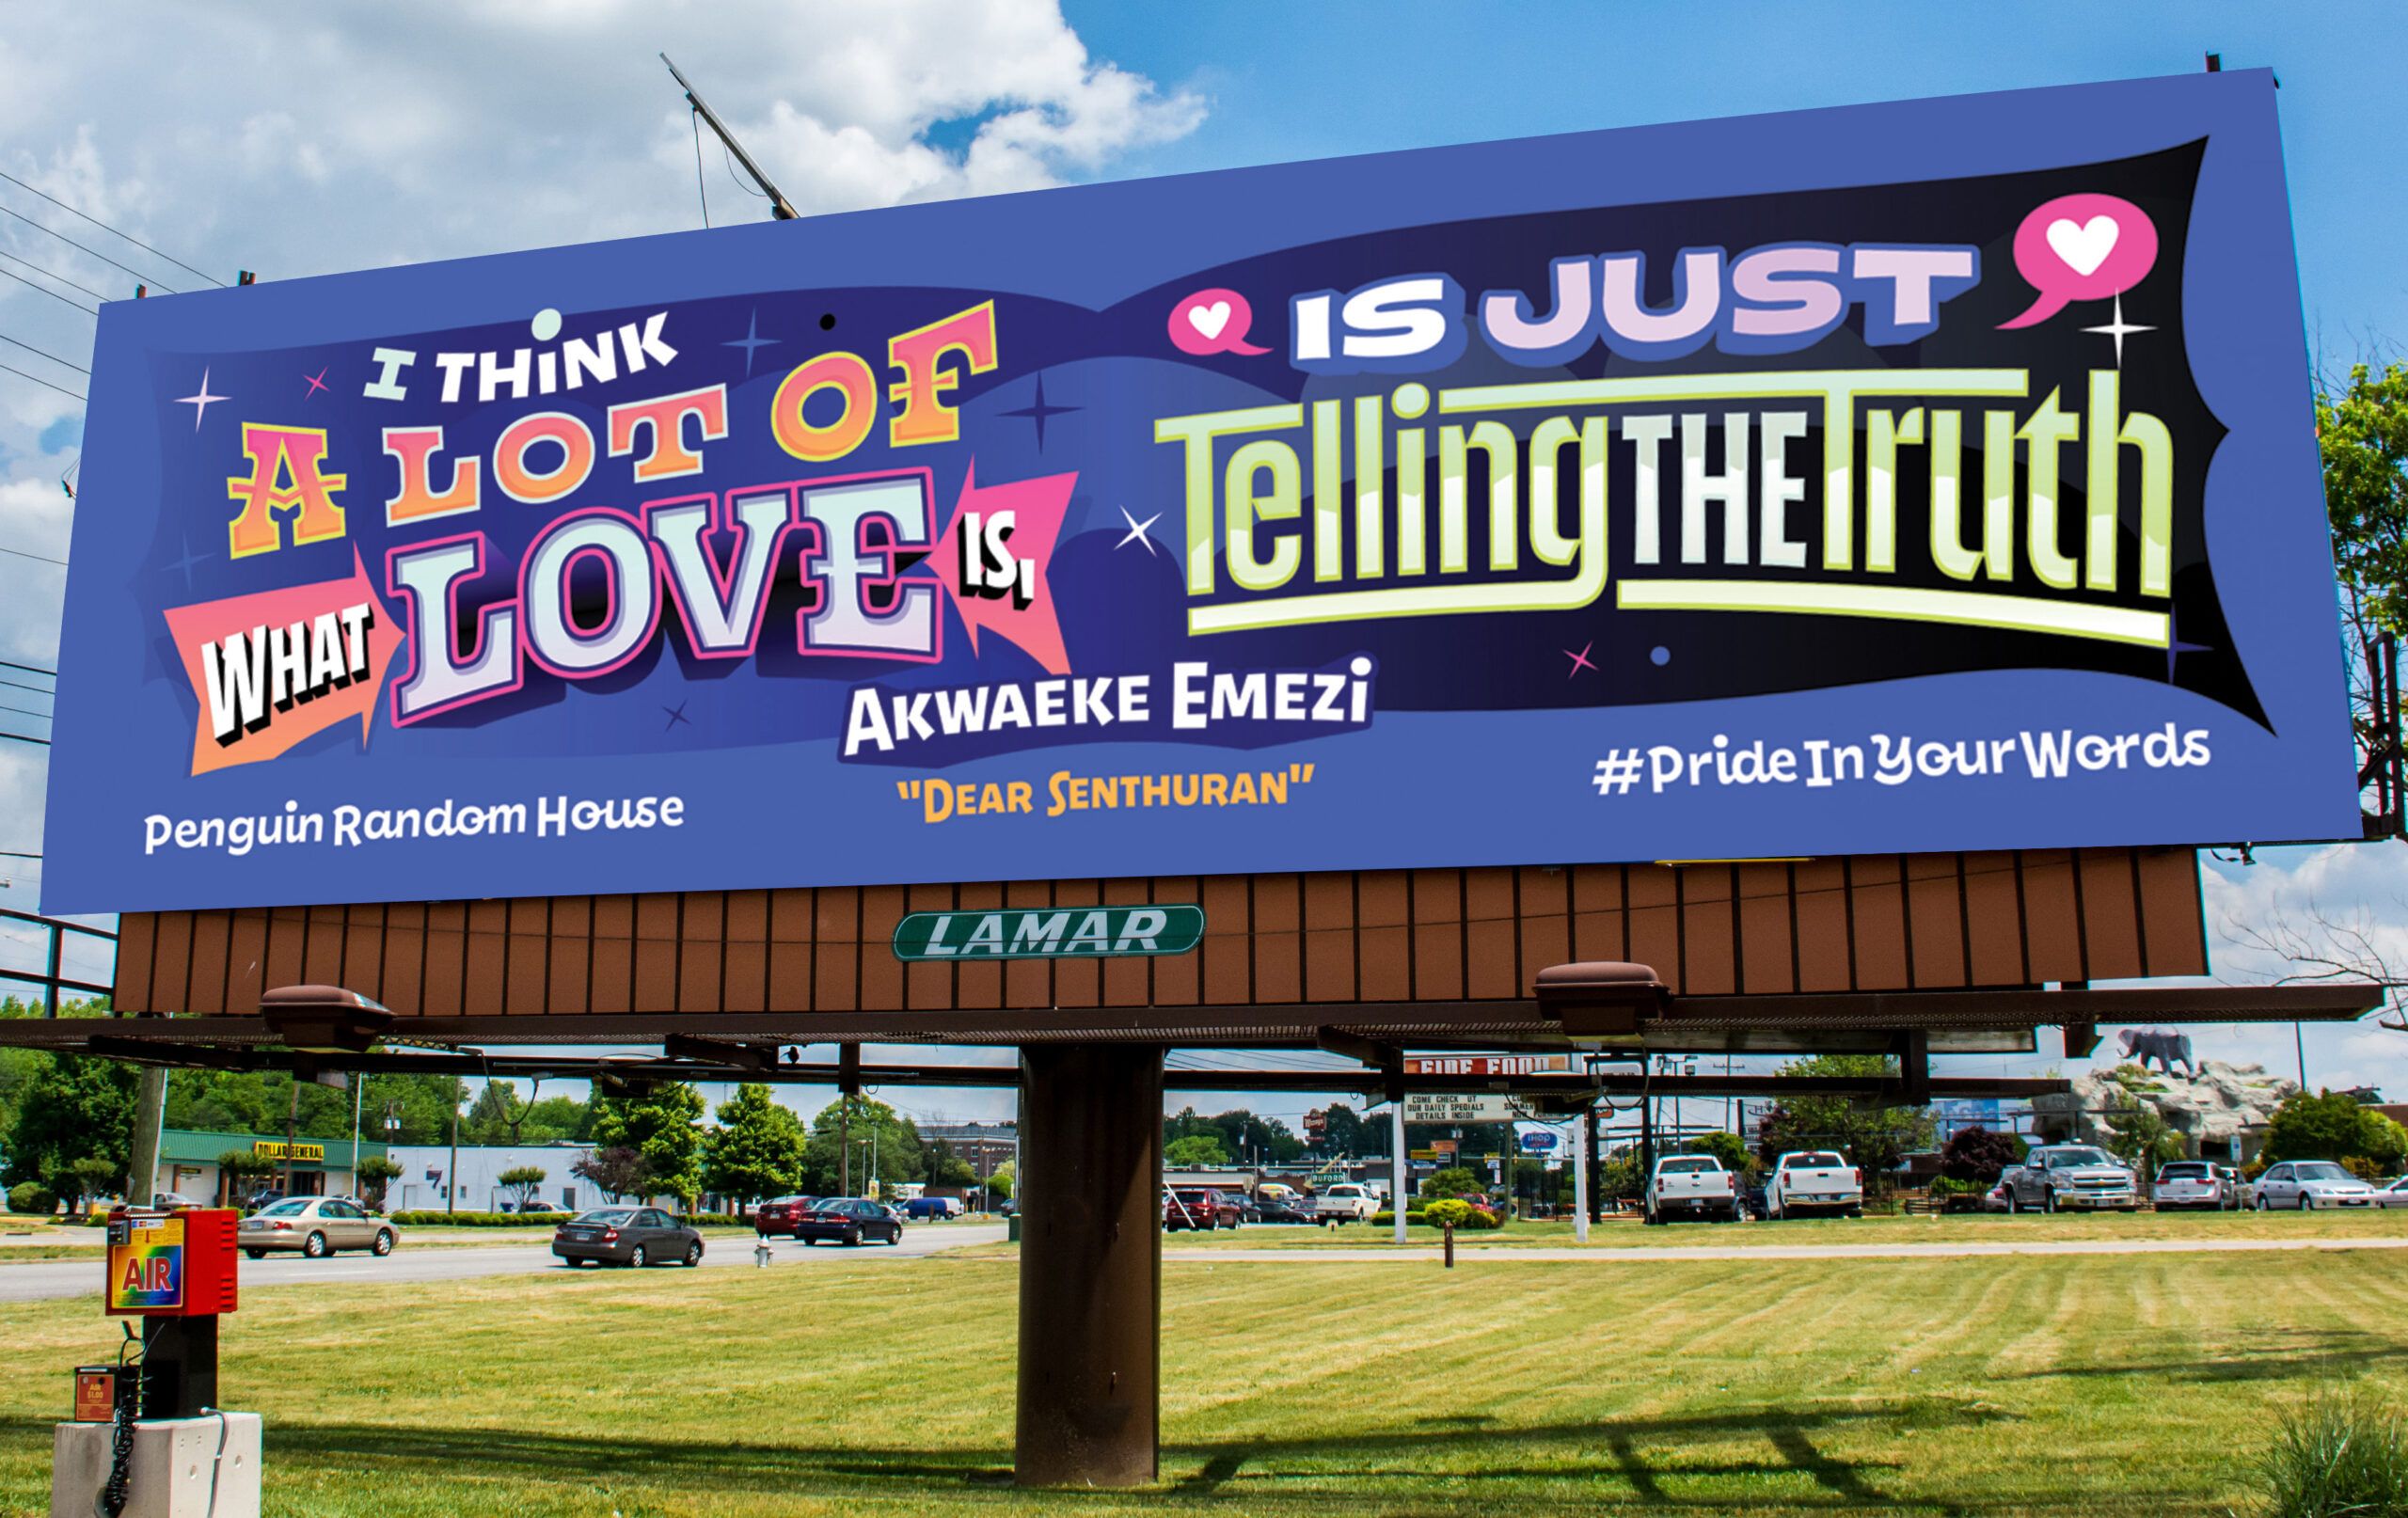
x: 110, y: 1502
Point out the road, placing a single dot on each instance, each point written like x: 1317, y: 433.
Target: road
x: 37, y: 1280
x: 1639, y: 1254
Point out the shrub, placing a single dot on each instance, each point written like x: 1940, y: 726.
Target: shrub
x: 1976, y: 1156
x: 1447, y: 1211
x: 1483, y: 1218
x: 2373, y: 1171
x: 29, y: 1197
x: 1452, y: 1181
x: 1414, y: 1217
x: 2339, y: 1454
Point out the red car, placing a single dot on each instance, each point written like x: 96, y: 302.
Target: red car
x: 1197, y: 1206
x: 781, y: 1215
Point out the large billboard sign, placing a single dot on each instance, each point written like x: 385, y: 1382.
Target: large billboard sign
x: 1922, y: 477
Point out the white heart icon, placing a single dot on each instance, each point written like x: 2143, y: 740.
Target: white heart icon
x: 1209, y: 319
x: 2083, y: 247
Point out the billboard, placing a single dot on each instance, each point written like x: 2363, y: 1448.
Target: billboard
x: 1922, y: 477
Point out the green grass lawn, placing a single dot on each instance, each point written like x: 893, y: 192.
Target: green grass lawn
x: 2060, y: 1385
x: 1963, y: 1227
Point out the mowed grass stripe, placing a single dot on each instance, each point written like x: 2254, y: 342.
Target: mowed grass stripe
x: 2084, y: 1385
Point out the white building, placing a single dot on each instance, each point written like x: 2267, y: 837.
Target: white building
x: 427, y: 1184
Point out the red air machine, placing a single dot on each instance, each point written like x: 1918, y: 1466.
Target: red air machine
x: 176, y: 1271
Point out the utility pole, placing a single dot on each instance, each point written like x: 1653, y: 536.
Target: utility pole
x: 451, y: 1181
x: 150, y: 1117
x: 291, y: 1131
x: 780, y: 206
x: 845, y: 1144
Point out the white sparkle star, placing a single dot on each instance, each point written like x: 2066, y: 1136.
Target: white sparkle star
x: 1136, y: 532
x: 2118, y: 329
x: 201, y: 403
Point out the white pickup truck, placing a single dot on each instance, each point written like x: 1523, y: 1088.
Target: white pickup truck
x: 1813, y: 1181
x: 1345, y: 1202
x: 1691, y: 1186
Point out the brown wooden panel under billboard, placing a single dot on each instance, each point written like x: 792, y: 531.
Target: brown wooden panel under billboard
x: 1939, y: 922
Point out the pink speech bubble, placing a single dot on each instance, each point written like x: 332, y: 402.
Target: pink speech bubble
x: 2082, y: 248
x: 1210, y: 321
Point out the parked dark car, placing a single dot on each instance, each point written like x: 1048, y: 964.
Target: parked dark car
x: 633, y: 1236
x: 1283, y: 1213
x: 849, y: 1220
x: 779, y: 1214
x: 1247, y: 1211
x: 261, y: 1199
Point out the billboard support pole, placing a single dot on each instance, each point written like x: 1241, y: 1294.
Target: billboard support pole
x: 1090, y: 1266
x: 1398, y: 1167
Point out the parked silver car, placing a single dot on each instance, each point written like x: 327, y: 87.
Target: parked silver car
x: 2392, y: 1193
x: 2305, y: 1185
x: 2067, y: 1177
x: 2197, y: 1183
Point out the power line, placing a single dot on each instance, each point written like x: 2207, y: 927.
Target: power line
x: 52, y: 357
x: 88, y: 310
x: 39, y: 690
x: 37, y: 378
x: 29, y: 669
x: 106, y: 228
x: 26, y: 711
x: 150, y: 279
x: 54, y: 274
x: 17, y: 853
x: 20, y: 552
x: 21, y: 739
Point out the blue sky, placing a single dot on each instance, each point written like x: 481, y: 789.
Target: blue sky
x: 376, y: 136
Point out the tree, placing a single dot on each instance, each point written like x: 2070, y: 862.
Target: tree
x: 1196, y: 1151
x: 946, y: 1166
x: 1875, y: 1139
x: 1348, y: 1132
x: 2138, y: 1135
x: 999, y: 1182
x: 375, y: 1174
x: 1241, y: 1134
x: 1730, y: 1148
x: 76, y: 1108
x: 521, y: 1179
x: 756, y: 1149
x: 664, y: 1127
x: 237, y: 1168
x: 1452, y: 1181
x: 2331, y: 1124
x: 879, y: 1136
x: 617, y: 1172
x: 1978, y: 1155
x: 96, y: 1177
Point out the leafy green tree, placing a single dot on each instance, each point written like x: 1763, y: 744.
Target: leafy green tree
x: 1452, y: 1181
x: 1730, y: 1148
x: 76, y: 1108
x: 258, y: 1101
x: 1620, y: 1179
x: 522, y: 1180
x: 2362, y: 433
x: 946, y: 1166
x: 999, y: 1182
x: 664, y: 1127
x: 2331, y: 1124
x: 1241, y: 1133
x: 375, y: 1174
x: 1349, y: 1132
x: 1875, y: 1139
x: 878, y: 1133
x: 96, y: 1177
x: 756, y: 1149
x: 239, y: 1168
x: 1195, y: 1151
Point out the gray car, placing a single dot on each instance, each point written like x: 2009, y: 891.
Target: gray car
x: 2392, y: 1193
x: 2308, y: 1185
x: 634, y: 1236
x: 2195, y: 1183
x: 2071, y: 1177
x: 317, y: 1227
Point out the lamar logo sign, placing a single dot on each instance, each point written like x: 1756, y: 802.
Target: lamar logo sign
x: 1050, y: 933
